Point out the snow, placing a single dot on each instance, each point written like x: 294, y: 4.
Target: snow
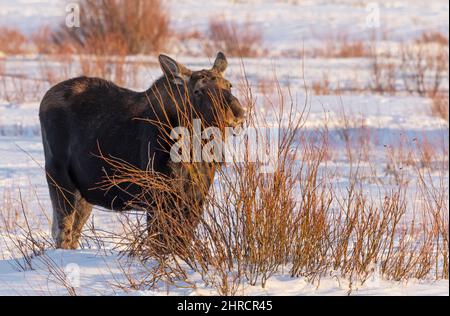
x: 288, y: 26
x: 96, y: 273
x: 21, y: 166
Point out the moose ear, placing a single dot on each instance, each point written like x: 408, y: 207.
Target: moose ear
x: 221, y: 63
x: 173, y: 70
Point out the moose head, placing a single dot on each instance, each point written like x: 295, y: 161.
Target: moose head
x: 208, y: 91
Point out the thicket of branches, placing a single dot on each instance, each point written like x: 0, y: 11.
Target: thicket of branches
x: 117, y: 26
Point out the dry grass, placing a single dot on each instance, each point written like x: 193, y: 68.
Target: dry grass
x: 236, y: 40
x: 418, y: 67
x: 421, y: 70
x: 322, y: 87
x: 341, y: 46
x: 440, y: 105
x: 296, y: 220
x: 433, y: 38
x: 384, y: 72
x: 255, y: 224
x: 117, y: 27
x: 18, y: 229
x: 424, y: 67
x: 19, y: 88
x: 349, y: 49
x: 44, y: 44
x: 12, y: 41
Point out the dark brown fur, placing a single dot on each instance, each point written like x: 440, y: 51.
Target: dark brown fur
x: 84, y: 118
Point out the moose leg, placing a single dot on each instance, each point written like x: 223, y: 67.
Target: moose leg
x: 63, y: 197
x: 82, y: 212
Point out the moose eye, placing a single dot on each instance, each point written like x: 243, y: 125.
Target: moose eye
x: 199, y: 76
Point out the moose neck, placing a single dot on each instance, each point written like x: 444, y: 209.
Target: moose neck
x: 168, y: 103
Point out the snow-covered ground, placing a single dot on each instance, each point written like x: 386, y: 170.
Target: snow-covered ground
x: 100, y: 273
x: 287, y: 26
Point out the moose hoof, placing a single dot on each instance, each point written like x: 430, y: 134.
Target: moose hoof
x: 64, y: 244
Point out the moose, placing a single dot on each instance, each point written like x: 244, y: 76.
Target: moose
x: 83, y: 117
